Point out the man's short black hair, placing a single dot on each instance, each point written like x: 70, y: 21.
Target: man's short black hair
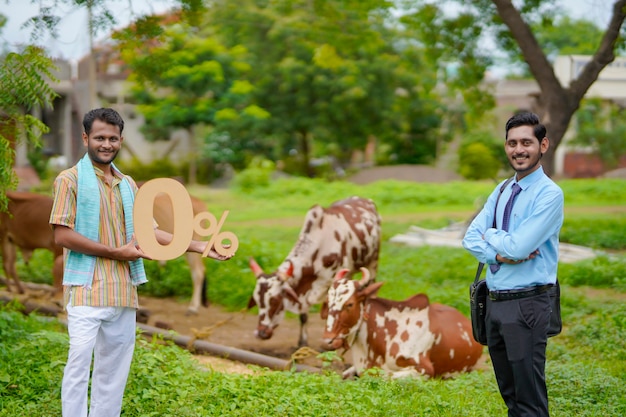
x: 106, y: 115
x: 526, y: 119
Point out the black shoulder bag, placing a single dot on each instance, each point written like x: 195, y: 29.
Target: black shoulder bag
x: 479, y: 293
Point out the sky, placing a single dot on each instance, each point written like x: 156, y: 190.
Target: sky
x: 73, y: 40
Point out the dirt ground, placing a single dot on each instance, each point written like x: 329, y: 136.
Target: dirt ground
x: 234, y: 329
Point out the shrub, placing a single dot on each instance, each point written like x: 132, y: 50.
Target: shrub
x: 158, y: 168
x: 257, y: 175
x: 476, y: 162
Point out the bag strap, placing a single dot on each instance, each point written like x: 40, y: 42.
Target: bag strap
x: 481, y: 265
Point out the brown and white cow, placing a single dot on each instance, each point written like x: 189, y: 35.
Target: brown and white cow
x: 25, y: 226
x: 403, y: 338
x: 345, y: 235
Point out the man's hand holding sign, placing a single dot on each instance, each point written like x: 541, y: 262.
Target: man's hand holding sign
x: 204, y: 224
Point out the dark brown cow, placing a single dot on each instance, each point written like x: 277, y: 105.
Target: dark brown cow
x: 26, y: 227
x: 403, y: 338
x: 345, y: 235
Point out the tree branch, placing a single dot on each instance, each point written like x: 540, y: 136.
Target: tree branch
x: 603, y: 56
x: 536, y: 59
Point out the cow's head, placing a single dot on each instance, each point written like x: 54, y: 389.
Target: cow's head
x: 269, y: 296
x: 346, y: 308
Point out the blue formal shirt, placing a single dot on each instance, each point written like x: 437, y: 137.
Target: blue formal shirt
x: 535, y: 223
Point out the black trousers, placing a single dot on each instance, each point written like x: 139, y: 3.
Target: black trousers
x: 517, y: 339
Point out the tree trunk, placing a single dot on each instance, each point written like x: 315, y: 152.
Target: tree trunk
x: 193, y: 153
x: 306, y: 154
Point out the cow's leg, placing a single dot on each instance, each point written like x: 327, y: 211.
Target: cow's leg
x: 405, y: 373
x: 196, y: 266
x: 304, y: 337
x: 9, y: 258
x: 26, y: 255
x: 423, y: 365
x: 349, y: 373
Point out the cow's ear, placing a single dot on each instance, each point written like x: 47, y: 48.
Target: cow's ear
x: 370, y: 290
x: 341, y: 274
x: 313, y: 218
x: 324, y: 310
x: 251, y: 303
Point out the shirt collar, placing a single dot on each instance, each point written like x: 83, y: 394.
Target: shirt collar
x: 531, y: 178
x: 117, y: 176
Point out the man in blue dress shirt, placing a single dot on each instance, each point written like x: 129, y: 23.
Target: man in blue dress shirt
x: 522, y: 267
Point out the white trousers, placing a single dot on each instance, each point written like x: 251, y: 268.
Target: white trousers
x: 107, y: 333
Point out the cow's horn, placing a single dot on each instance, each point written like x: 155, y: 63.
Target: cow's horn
x: 256, y: 269
x: 341, y: 273
x: 366, y: 277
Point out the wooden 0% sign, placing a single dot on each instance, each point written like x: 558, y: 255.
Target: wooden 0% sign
x: 183, y: 219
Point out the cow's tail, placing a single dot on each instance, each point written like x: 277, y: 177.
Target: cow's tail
x: 205, y: 298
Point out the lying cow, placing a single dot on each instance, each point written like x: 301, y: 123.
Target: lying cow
x: 345, y: 235
x: 25, y: 226
x: 404, y: 338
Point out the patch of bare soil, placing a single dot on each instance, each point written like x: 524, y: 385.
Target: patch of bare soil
x: 234, y: 329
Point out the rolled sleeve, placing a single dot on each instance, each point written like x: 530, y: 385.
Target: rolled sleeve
x: 64, y: 208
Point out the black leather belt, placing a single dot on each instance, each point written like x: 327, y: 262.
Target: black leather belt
x: 505, y: 295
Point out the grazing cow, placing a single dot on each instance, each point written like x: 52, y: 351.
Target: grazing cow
x: 25, y: 226
x: 404, y: 338
x: 345, y: 235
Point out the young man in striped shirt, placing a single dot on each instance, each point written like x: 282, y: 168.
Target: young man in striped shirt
x: 103, y: 265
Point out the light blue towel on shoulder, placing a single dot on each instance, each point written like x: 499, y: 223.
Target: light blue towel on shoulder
x: 79, y: 267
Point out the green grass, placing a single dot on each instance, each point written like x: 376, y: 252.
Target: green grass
x: 586, y: 369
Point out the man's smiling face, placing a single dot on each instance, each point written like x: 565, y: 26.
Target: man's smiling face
x: 103, y: 142
x: 524, y: 150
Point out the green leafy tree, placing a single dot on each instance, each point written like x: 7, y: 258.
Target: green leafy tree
x: 187, y: 79
x: 26, y: 74
x: 514, y: 27
x: 602, y: 127
x: 331, y: 73
x: 567, y: 36
x: 24, y: 83
x: 451, y: 45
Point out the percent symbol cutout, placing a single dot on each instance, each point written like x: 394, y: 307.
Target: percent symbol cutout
x: 214, y: 230
x: 185, y: 224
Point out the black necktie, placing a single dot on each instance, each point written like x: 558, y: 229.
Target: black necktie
x: 506, y: 217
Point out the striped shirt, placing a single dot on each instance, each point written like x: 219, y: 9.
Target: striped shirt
x: 111, y: 286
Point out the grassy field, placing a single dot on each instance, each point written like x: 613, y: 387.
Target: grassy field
x: 586, y: 369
